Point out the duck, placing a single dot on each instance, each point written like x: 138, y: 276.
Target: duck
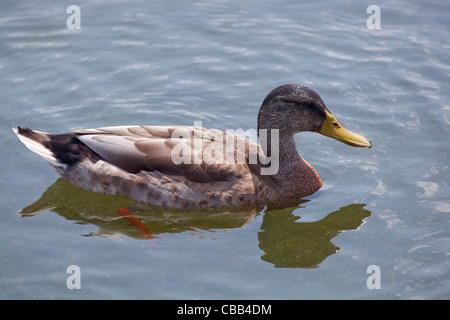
x: 187, y: 167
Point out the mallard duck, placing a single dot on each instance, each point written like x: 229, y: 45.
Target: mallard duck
x: 195, y: 167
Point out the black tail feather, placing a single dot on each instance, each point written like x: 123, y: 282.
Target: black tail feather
x: 66, y: 148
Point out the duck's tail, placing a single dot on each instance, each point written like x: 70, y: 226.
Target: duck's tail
x: 36, y: 141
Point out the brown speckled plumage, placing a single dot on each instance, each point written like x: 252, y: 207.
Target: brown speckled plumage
x: 135, y: 161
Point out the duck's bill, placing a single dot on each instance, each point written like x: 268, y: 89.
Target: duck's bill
x: 333, y: 129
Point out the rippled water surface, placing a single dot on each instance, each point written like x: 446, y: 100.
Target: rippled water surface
x: 176, y: 62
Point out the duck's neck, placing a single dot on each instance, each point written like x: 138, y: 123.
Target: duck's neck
x: 292, y: 175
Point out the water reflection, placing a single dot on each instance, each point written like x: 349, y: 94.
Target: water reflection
x: 103, y: 211
x: 291, y: 244
x: 286, y: 242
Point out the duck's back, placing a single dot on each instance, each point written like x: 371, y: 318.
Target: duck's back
x: 176, y: 166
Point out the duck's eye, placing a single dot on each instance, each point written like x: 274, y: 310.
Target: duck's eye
x: 306, y: 103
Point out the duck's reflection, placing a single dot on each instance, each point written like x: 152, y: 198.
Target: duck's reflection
x: 291, y: 244
x: 106, y: 213
x: 286, y: 242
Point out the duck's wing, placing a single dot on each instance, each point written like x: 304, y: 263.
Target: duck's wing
x: 198, y: 154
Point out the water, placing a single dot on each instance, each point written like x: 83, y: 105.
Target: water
x: 176, y: 62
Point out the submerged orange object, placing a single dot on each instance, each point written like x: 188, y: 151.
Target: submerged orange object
x: 124, y: 212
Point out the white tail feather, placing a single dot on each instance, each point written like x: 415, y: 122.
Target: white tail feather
x: 38, y: 148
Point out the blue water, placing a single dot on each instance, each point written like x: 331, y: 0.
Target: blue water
x: 176, y: 62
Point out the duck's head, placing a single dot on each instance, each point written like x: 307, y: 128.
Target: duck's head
x: 293, y: 108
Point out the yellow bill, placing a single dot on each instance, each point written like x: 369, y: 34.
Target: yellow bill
x: 333, y: 129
